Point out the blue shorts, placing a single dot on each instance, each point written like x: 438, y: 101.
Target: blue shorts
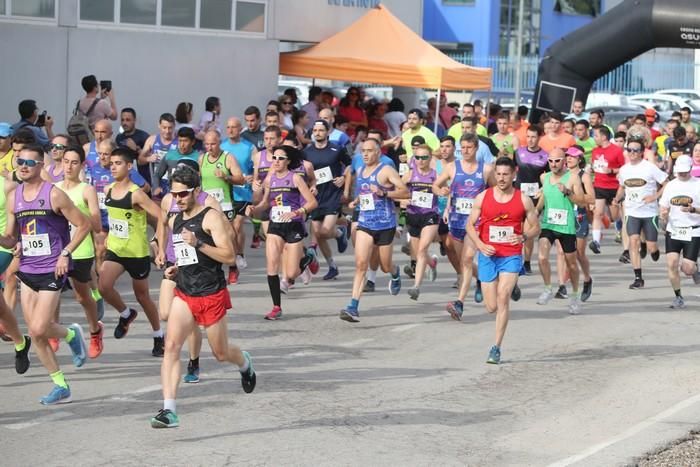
x: 458, y: 234
x: 491, y: 266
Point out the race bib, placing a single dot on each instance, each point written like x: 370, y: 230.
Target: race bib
x: 217, y: 194
x: 101, y: 200
x: 633, y: 195
x: 367, y: 202
x: 422, y: 199
x: 499, y: 234
x: 119, y: 228
x: 557, y: 216
x: 600, y: 166
x: 277, y: 211
x: 464, y: 205
x: 36, y: 245
x: 323, y: 175
x: 529, y: 189
x: 403, y: 168
x: 683, y: 234
x: 185, y: 254
x: 159, y: 155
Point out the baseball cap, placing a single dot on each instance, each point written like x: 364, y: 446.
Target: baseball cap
x: 650, y: 114
x: 574, y: 152
x: 5, y: 130
x: 416, y: 140
x: 683, y: 164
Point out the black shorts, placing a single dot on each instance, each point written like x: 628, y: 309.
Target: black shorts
x: 319, y: 214
x: 416, y: 222
x: 443, y: 227
x: 567, y: 241
x: 138, y: 268
x: 291, y: 232
x: 355, y: 215
x: 689, y: 249
x: 608, y: 194
x: 264, y: 217
x: 82, y: 269
x: 230, y: 215
x: 44, y: 281
x: 648, y: 225
x: 239, y: 207
x: 380, y: 237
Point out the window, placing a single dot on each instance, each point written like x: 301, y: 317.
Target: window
x: 250, y: 17
x: 2, y: 7
x: 178, y: 13
x: 138, y: 11
x: 509, y: 27
x: 91, y: 10
x: 35, y: 8
x: 215, y: 14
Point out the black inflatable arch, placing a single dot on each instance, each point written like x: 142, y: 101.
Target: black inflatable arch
x: 572, y: 64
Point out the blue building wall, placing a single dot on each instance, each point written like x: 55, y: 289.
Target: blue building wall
x: 555, y: 25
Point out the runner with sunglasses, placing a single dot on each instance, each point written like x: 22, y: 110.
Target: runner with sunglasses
x: 54, y: 172
x: 262, y: 161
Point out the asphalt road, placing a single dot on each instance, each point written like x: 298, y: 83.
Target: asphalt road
x: 405, y: 386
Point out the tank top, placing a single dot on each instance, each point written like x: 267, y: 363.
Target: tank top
x: 86, y: 249
x: 100, y: 177
x: 559, y: 213
x: 198, y: 275
x: 42, y: 232
x: 3, y: 211
x: 160, y: 149
x: 284, y: 197
x: 169, y: 250
x: 50, y: 171
x: 442, y: 200
x: 263, y: 166
x: 92, y: 158
x: 464, y: 189
x: 375, y: 213
x: 420, y: 186
x: 301, y: 171
x: 219, y: 189
x: 127, y: 226
x: 498, y: 221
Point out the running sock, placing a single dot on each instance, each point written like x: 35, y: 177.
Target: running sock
x: 20, y: 347
x: 70, y: 334
x: 158, y: 333
x: 596, y: 235
x: 126, y: 313
x: 638, y: 273
x: 372, y: 275
x: 95, y: 294
x: 331, y: 262
x: 273, y: 282
x: 169, y: 404
x: 354, y: 303
x: 58, y: 379
x: 395, y: 274
x: 675, y: 291
x: 246, y: 363
x: 194, y: 362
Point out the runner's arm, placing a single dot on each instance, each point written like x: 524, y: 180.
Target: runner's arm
x: 305, y: 192
x: 145, y: 153
x: 219, y: 228
x: 236, y: 177
x: 447, y: 174
x: 90, y: 196
x: 391, y: 176
x: 532, y: 218
x: 142, y: 200
x: 10, y: 237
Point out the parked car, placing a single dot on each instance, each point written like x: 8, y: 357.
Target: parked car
x: 602, y: 99
x: 685, y: 94
x: 662, y: 103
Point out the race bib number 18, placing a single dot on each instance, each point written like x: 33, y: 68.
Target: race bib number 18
x: 185, y: 254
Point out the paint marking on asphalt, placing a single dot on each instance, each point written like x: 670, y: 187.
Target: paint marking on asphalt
x: 48, y: 418
x: 643, y: 425
x: 356, y: 343
x: 405, y: 327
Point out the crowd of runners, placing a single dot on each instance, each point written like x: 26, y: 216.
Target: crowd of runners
x: 485, y: 192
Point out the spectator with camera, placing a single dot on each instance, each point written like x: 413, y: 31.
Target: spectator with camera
x: 32, y: 120
x: 106, y: 107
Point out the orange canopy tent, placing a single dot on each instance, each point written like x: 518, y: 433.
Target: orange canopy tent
x: 380, y: 49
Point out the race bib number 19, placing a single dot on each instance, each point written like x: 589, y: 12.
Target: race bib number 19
x: 498, y: 234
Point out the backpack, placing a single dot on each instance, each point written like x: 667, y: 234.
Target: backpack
x: 79, y: 125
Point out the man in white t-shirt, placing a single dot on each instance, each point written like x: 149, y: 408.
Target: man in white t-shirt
x: 639, y: 184
x: 680, y: 213
x: 106, y: 107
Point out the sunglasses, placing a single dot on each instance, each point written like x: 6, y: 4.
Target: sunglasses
x: 634, y: 150
x: 421, y: 158
x: 58, y: 147
x: 28, y: 162
x: 555, y: 161
x: 279, y: 158
x: 182, y: 194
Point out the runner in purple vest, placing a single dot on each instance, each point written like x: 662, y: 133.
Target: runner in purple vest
x: 54, y: 172
x: 262, y: 161
x: 38, y: 216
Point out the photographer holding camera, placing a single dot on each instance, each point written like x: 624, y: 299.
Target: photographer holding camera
x: 106, y: 107
x: 32, y: 120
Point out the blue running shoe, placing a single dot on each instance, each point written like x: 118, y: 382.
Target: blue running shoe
x: 455, y: 309
x: 395, y: 283
x: 77, y: 345
x: 349, y: 314
x: 478, y: 294
x: 494, y: 355
x: 165, y: 419
x: 343, y: 239
x: 58, y: 395
x: 331, y: 274
x: 192, y: 375
x: 100, y: 309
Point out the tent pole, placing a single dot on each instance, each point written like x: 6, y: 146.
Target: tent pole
x: 437, y: 110
x: 313, y: 82
x: 488, y: 109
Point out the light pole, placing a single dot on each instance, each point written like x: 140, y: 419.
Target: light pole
x: 519, y: 53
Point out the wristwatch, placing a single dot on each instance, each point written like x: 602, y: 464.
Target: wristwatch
x: 65, y: 253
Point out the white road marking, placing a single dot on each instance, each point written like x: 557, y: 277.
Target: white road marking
x: 48, y: 418
x: 405, y: 327
x: 356, y: 343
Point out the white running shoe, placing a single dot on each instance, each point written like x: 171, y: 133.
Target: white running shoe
x: 241, y: 262
x: 545, y: 296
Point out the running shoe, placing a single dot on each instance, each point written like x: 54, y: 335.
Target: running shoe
x: 395, y: 283
x: 655, y: 255
x: 54, y: 343
x: 100, y: 308
x: 678, y: 303
x: 255, y: 243
x: 274, y: 314
x: 432, y: 271
x: 165, y: 419
x: 406, y: 249
x: 696, y: 277
x: 349, y: 314
x: 284, y: 286
x: 192, y: 375
x: 58, y: 395
x: 77, y: 345
x: 618, y: 237
x: 494, y: 355
x: 443, y: 250
x: 409, y: 271
x: 248, y: 377
x: 241, y: 262
x: 4, y: 337
x: 342, y: 240
x: 574, y: 306
x: 414, y: 293
x: 561, y: 293
x: 455, y: 309
x: 625, y: 257
x: 331, y: 274
x: 643, y: 250
x: 306, y: 276
x: 22, y: 357
x: 637, y: 284
x: 307, y: 259
x: 595, y: 247
x: 587, y: 290
x: 478, y: 294
x: 158, y: 346
x: 313, y: 265
x: 96, y: 344
x: 369, y: 287
x: 516, y: 293
x: 233, y: 274
x: 545, y: 296
x: 123, y: 326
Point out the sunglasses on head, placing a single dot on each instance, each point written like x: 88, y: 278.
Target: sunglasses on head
x: 555, y: 161
x: 421, y: 158
x: 27, y: 162
x: 279, y: 158
x: 634, y: 150
x: 58, y: 147
x: 182, y: 194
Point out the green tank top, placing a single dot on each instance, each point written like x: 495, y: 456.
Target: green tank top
x: 86, y: 249
x: 3, y: 212
x: 559, y: 212
x: 127, y: 226
x: 216, y: 187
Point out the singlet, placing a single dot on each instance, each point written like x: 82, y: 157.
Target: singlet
x: 3, y: 211
x: 86, y: 249
x: 198, y: 275
x: 50, y: 172
x: 581, y: 210
x: 498, y: 221
x: 219, y: 189
x: 375, y: 213
x: 127, y: 226
x: 263, y: 165
x: 160, y: 149
x: 422, y: 200
x: 42, y: 232
x: 284, y: 197
x: 92, y: 158
x: 442, y: 200
x: 169, y: 250
x: 530, y: 166
x: 464, y: 189
x: 243, y: 153
x: 559, y: 212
